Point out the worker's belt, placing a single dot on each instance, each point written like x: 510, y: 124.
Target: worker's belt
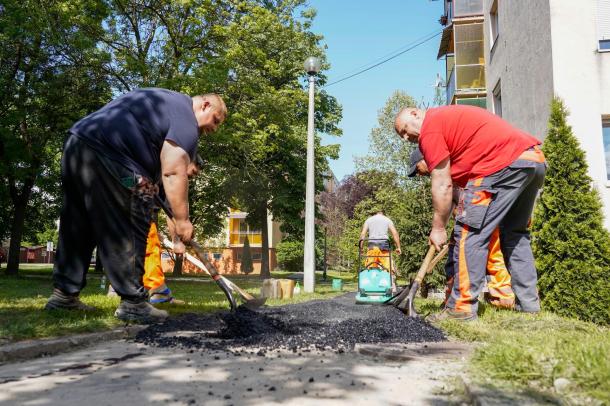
x: 533, y: 154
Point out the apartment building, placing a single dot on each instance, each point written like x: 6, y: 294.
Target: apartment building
x: 536, y: 49
x: 462, y: 47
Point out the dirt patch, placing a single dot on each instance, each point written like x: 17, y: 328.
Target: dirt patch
x: 335, y: 325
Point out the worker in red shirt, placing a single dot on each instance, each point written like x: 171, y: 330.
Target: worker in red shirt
x: 499, y: 291
x: 501, y: 170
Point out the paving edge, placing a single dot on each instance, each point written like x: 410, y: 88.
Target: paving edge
x: 26, y: 350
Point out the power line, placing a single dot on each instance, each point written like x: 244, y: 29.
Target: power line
x: 389, y: 53
x: 409, y: 48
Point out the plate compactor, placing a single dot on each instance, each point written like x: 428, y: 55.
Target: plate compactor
x: 375, y: 285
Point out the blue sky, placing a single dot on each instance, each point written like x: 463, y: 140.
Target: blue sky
x: 361, y: 31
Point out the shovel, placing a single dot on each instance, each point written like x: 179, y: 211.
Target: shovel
x: 211, y: 269
x: 250, y: 301
x: 404, y: 301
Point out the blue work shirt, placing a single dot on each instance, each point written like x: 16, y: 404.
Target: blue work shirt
x: 132, y: 128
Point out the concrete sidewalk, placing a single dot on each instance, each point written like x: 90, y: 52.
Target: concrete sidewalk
x: 125, y: 373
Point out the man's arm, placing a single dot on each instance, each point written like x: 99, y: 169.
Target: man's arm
x: 396, y: 238
x: 174, y: 169
x: 442, y: 201
x: 365, y: 229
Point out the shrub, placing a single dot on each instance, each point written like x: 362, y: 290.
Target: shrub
x: 290, y: 255
x: 570, y: 243
x: 246, y: 259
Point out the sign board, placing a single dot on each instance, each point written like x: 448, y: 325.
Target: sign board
x: 49, y: 246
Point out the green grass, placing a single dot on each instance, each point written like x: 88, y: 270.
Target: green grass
x: 22, y: 300
x: 528, y: 352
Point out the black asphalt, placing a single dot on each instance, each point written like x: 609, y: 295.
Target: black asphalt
x: 335, y: 325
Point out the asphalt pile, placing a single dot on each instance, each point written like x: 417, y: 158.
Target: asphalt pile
x: 332, y: 325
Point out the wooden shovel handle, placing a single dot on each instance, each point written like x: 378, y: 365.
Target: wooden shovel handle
x: 430, y: 262
x: 437, y: 258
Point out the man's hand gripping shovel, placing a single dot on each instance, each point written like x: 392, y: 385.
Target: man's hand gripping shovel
x: 404, y: 301
x: 203, y: 263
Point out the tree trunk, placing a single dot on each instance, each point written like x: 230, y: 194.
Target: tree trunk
x: 265, y: 272
x: 178, y: 264
x: 17, y: 226
x: 20, y: 203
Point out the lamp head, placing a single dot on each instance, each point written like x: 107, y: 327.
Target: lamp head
x: 312, y: 65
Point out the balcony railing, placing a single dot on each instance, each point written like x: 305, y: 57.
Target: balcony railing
x: 451, y: 86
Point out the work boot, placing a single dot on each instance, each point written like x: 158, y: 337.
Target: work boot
x: 500, y: 302
x: 163, y: 294
x: 140, y: 312
x: 61, y: 300
x: 450, y: 314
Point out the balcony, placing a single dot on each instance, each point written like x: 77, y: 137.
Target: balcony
x: 467, y: 8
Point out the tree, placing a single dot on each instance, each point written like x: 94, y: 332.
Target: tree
x: 336, y: 208
x: 266, y: 45
x: 407, y: 201
x: 570, y: 244
x: 246, y: 258
x: 175, y: 45
x: 387, y: 151
x: 50, y: 76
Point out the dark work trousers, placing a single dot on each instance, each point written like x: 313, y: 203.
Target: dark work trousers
x: 505, y: 199
x: 104, y: 207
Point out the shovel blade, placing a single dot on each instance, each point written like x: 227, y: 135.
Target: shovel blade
x: 407, y: 305
x: 255, y: 303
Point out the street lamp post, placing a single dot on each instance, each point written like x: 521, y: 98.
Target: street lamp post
x: 312, y: 67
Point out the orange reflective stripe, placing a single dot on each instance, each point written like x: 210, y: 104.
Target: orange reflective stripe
x: 535, y: 156
x: 462, y: 304
x: 495, y: 260
x: 481, y: 198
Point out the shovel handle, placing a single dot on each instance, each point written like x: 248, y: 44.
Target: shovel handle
x: 423, y: 269
x: 437, y: 258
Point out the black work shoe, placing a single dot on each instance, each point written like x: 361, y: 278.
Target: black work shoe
x: 141, y: 312
x: 450, y: 314
x: 61, y: 300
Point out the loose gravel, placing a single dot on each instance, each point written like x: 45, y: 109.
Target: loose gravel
x: 332, y: 325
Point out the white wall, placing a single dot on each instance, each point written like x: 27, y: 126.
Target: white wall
x: 581, y: 77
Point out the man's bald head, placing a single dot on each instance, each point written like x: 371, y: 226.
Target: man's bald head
x: 210, y: 111
x: 408, y: 123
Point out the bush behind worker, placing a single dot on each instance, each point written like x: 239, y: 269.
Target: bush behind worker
x: 501, y: 170
x: 113, y: 162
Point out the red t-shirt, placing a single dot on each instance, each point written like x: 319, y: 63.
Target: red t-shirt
x: 477, y: 142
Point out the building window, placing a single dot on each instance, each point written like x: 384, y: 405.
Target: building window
x: 239, y: 230
x: 256, y: 256
x: 493, y: 24
x: 606, y: 135
x: 469, y: 57
x: 217, y: 256
x: 603, y: 25
x: 497, y: 99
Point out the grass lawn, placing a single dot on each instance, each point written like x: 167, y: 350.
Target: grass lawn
x: 528, y: 352
x: 23, y: 298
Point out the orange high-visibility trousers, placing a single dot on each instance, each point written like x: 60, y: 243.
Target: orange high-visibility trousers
x: 500, y: 292
x: 153, y: 271
x: 377, y: 256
